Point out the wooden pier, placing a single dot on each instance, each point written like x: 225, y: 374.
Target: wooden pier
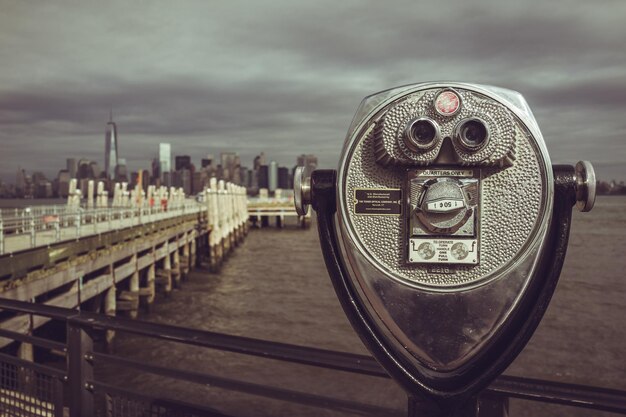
x: 113, y: 259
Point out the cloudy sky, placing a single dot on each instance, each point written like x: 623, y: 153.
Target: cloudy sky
x: 286, y: 77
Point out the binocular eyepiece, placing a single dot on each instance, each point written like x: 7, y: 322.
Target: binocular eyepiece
x: 444, y: 230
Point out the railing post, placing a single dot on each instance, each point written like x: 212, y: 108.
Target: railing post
x: 80, y: 371
x: 1, y: 236
x: 77, y: 223
x: 32, y: 230
x: 57, y: 225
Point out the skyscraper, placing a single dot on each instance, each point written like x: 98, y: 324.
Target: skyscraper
x: 263, y: 176
x: 110, y: 148
x: 231, y: 164
x: 165, y: 159
x: 208, y: 161
x: 72, y: 167
x: 273, y: 176
x: 182, y: 162
x: 283, y: 178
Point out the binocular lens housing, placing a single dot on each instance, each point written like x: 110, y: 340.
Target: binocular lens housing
x: 472, y: 134
x: 421, y: 134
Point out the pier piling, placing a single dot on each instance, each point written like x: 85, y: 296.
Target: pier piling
x: 110, y: 310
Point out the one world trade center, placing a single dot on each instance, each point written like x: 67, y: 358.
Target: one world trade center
x: 110, y: 148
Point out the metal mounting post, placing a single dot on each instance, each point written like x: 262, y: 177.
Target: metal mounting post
x: 80, y: 371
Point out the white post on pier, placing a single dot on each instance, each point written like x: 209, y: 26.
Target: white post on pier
x: 213, y: 211
x: 131, y: 202
x: 244, y: 209
x: 171, y: 202
x: 215, y: 236
x: 71, y: 194
x: 90, y: 193
x: 101, y: 201
x: 31, y: 226
x: 57, y: 225
x: 116, y: 195
x: 77, y: 218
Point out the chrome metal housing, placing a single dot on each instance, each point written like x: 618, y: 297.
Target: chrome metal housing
x: 408, y: 301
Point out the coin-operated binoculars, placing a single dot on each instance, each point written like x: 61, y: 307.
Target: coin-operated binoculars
x: 444, y: 231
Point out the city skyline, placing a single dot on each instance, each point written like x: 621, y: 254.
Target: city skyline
x: 288, y: 78
x: 183, y: 173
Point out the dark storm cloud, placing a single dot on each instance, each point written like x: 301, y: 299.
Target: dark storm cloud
x: 287, y: 78
x: 181, y: 106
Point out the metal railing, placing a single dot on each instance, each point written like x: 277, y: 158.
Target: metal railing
x: 37, y: 226
x: 41, y: 388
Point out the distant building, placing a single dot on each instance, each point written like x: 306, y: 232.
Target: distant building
x: 72, y: 167
x: 156, y: 171
x: 230, y: 164
x: 167, y: 179
x: 38, y: 177
x: 263, y: 177
x: 259, y: 160
x: 182, y: 162
x: 207, y: 162
x: 63, y: 181
x: 145, y: 179
x: 273, y: 176
x: 95, y: 169
x: 200, y: 180
x: 251, y: 183
x: 121, y: 171
x: 165, y: 161
x: 186, y: 180
x: 42, y: 188
x: 283, y: 178
x: 111, y: 156
x: 20, y: 182
x: 244, y: 175
x: 85, y: 169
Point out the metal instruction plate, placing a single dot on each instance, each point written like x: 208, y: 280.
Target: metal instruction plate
x: 443, y: 251
x: 378, y: 202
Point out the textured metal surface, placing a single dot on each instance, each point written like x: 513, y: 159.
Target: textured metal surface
x: 512, y: 198
x: 390, y: 142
